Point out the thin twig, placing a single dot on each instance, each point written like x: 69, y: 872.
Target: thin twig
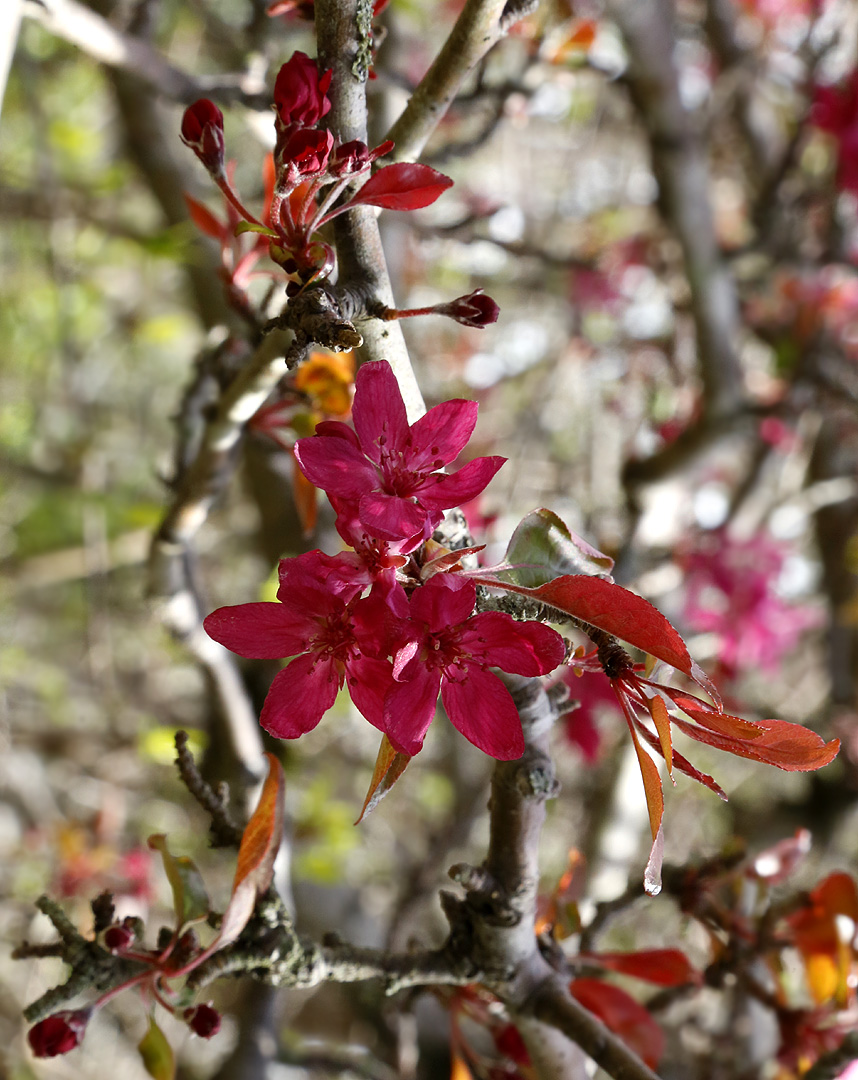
x: 224, y: 829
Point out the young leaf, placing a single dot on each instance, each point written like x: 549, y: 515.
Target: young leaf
x: 655, y: 806
x: 543, y: 548
x: 190, y: 899
x: 403, y: 186
x: 613, y: 609
x: 389, y: 766
x: 661, y: 719
x: 787, y: 746
x: 204, y: 219
x: 664, y: 967
x: 256, y: 854
x: 158, y: 1058
x: 252, y: 226
x: 623, y: 1015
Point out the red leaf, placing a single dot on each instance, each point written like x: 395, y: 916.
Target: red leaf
x: 664, y: 967
x: 623, y: 1015
x: 613, y: 609
x: 403, y: 186
x: 204, y: 219
x: 787, y: 746
x: 730, y: 726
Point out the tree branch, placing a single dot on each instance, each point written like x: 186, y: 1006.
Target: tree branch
x: 360, y: 256
x: 476, y: 30
x: 680, y: 167
x: 100, y: 40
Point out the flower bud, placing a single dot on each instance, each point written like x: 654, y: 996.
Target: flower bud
x: 118, y: 938
x: 202, y: 131
x: 59, y: 1033
x: 475, y: 309
x: 203, y: 1020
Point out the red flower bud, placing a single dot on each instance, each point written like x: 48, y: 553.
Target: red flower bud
x: 304, y: 152
x: 118, y: 938
x: 299, y: 92
x: 475, y: 309
x: 202, y: 131
x: 203, y: 1020
x: 59, y: 1033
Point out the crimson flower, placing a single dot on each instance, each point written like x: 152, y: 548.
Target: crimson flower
x: 334, y: 635
x: 202, y: 131
x: 390, y: 468
x: 302, y: 153
x: 59, y: 1033
x: 448, y: 649
x: 300, y: 93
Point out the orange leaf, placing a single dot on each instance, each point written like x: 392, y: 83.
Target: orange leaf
x: 259, y: 846
x: 661, y: 719
x: 460, y: 1070
x: 823, y: 977
x: 389, y: 766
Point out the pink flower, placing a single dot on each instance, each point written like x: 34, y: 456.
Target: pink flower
x: 300, y: 93
x: 202, y: 131
x: 449, y: 650
x: 59, y: 1033
x: 731, y: 590
x: 335, y: 637
x: 391, y: 469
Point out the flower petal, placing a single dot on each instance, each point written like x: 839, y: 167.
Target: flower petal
x: 378, y: 411
x: 441, y: 435
x: 336, y: 466
x: 525, y: 648
x: 300, y: 696
x: 387, y: 517
x: 444, y: 601
x: 442, y: 492
x: 482, y: 709
x: 409, y: 709
x: 263, y: 631
x: 369, y: 681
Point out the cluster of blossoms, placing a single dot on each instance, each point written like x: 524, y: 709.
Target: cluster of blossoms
x: 304, y: 180
x: 393, y: 617
x: 386, y: 619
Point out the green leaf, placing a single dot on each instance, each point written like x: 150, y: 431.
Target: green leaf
x: 158, y: 1058
x: 249, y: 226
x: 543, y: 548
x: 190, y: 899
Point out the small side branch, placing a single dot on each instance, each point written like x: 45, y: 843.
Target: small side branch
x: 480, y: 25
x: 555, y: 1006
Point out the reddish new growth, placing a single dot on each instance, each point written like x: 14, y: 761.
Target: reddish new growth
x: 646, y: 702
x: 311, y: 169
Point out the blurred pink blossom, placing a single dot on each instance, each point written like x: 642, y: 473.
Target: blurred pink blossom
x: 731, y: 590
